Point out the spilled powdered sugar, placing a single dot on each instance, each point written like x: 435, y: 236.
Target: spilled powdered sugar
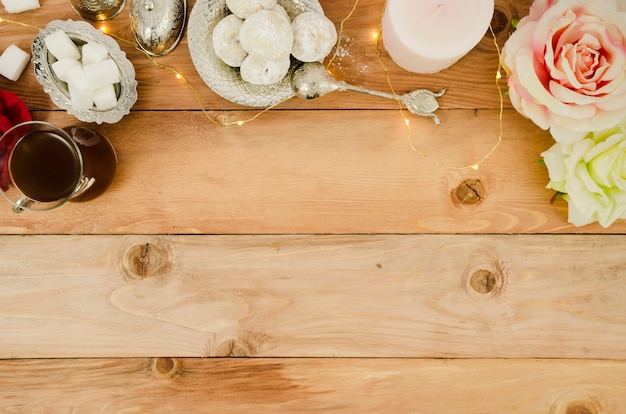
x: 350, y: 60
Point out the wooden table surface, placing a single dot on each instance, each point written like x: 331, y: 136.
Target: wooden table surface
x: 311, y: 260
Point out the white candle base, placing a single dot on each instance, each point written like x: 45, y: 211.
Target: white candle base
x: 428, y: 36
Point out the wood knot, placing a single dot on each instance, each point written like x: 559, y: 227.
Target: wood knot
x: 233, y: 348
x: 486, y: 277
x: 146, y: 260
x: 580, y: 408
x: 469, y: 192
x: 499, y: 21
x: 483, y: 281
x: 503, y: 17
x: 165, y: 367
x: 574, y: 403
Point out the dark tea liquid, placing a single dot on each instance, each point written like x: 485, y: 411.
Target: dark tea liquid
x: 44, y: 166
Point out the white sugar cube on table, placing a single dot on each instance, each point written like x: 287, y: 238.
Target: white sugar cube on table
x: 79, y: 87
x: 93, y: 52
x: 19, y: 6
x: 61, y: 45
x: 61, y: 66
x: 13, y: 61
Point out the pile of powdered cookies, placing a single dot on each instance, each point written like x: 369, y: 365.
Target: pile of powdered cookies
x: 260, y: 38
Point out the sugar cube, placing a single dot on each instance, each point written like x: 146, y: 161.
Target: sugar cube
x: 104, y: 98
x: 94, y: 52
x: 81, y: 92
x: 13, y: 62
x: 61, y: 66
x: 18, y: 6
x: 61, y: 46
x: 102, y: 73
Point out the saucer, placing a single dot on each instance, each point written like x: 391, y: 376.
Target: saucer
x: 99, y: 160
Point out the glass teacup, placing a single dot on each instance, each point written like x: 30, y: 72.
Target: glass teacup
x: 98, y: 10
x: 46, y: 165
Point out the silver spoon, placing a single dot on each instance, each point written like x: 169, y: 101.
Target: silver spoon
x: 312, y: 80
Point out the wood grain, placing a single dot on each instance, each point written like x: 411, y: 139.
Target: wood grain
x: 335, y: 385
x: 318, y: 296
x: 315, y: 240
x: 314, y: 172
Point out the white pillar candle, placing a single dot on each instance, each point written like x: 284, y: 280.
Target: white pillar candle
x: 427, y: 36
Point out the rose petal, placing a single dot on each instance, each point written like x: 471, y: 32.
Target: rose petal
x: 614, y: 102
x: 599, y: 169
x: 584, y: 192
x: 613, y: 211
x: 576, y: 217
x: 553, y: 158
x: 538, y: 8
x: 528, y: 77
x: 567, y: 95
x: 565, y: 135
x: 600, y: 120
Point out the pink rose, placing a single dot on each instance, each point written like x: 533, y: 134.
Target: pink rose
x: 566, y: 63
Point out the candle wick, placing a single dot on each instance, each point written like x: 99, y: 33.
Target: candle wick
x: 439, y: 7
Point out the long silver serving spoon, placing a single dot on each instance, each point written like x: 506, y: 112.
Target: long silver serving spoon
x: 312, y: 80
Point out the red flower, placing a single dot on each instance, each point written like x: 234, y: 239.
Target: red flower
x: 12, y: 112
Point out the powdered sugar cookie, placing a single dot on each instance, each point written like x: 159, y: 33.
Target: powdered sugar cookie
x: 314, y: 37
x: 266, y: 34
x: 259, y: 71
x: 246, y: 8
x: 226, y: 43
x: 281, y: 10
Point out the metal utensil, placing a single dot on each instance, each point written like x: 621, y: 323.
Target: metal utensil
x: 312, y: 80
x: 158, y: 25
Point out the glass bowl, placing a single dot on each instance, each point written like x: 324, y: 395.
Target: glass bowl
x: 81, y: 33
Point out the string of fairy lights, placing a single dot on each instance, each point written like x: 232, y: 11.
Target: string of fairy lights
x: 377, y: 36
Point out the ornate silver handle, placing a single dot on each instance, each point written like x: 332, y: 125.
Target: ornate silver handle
x: 312, y: 80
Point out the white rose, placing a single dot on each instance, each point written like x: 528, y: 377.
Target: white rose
x: 592, y: 175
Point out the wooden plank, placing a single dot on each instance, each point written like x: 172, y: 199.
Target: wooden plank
x: 472, y: 296
x: 356, y: 63
x: 313, y: 385
x: 314, y: 172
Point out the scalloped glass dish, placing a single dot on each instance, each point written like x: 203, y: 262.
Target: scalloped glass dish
x: 223, y: 79
x: 82, y: 32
